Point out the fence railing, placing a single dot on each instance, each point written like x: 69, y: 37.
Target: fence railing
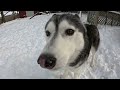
x: 104, y: 17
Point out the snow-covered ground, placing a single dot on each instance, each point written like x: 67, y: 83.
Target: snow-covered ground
x: 22, y: 40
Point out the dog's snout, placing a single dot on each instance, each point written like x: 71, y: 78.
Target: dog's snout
x: 47, y: 61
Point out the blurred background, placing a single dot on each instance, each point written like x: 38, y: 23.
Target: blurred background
x: 93, y: 17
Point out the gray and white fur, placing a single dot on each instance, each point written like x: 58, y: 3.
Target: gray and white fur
x: 68, y: 50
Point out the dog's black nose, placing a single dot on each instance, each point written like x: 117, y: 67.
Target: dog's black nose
x: 47, y: 61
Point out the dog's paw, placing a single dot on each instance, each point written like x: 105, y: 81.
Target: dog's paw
x: 62, y: 77
x: 92, y: 65
x: 65, y: 77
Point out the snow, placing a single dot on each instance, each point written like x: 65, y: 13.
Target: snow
x: 22, y: 40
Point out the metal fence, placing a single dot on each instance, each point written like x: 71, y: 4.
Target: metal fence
x: 104, y: 17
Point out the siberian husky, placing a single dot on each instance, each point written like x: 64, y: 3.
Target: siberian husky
x: 69, y: 43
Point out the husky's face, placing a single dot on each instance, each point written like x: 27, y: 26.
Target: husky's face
x: 65, y: 40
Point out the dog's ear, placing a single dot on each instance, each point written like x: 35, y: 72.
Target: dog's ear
x: 76, y: 15
x: 54, y: 15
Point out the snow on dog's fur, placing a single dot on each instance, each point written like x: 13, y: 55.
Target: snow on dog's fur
x: 68, y: 43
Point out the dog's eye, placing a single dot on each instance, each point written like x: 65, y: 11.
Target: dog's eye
x: 69, y: 32
x: 47, y: 33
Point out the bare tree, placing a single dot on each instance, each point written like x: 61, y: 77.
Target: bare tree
x: 2, y: 16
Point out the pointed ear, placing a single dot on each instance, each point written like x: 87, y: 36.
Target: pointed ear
x: 54, y: 15
x: 76, y: 15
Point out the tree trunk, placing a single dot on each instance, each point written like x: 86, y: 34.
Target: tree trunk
x: 2, y: 17
x: 13, y: 15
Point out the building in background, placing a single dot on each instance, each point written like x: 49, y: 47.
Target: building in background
x: 23, y: 14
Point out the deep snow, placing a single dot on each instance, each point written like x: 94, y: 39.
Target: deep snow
x: 22, y: 40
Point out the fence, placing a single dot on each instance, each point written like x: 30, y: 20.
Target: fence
x: 104, y: 17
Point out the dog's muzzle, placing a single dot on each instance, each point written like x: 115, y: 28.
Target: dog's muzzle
x: 47, y: 61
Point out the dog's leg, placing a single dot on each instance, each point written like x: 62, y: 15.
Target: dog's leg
x: 67, y: 75
x: 76, y: 75
x: 92, y: 63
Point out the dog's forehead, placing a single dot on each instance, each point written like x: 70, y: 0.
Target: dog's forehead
x: 57, y: 18
x: 69, y: 18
